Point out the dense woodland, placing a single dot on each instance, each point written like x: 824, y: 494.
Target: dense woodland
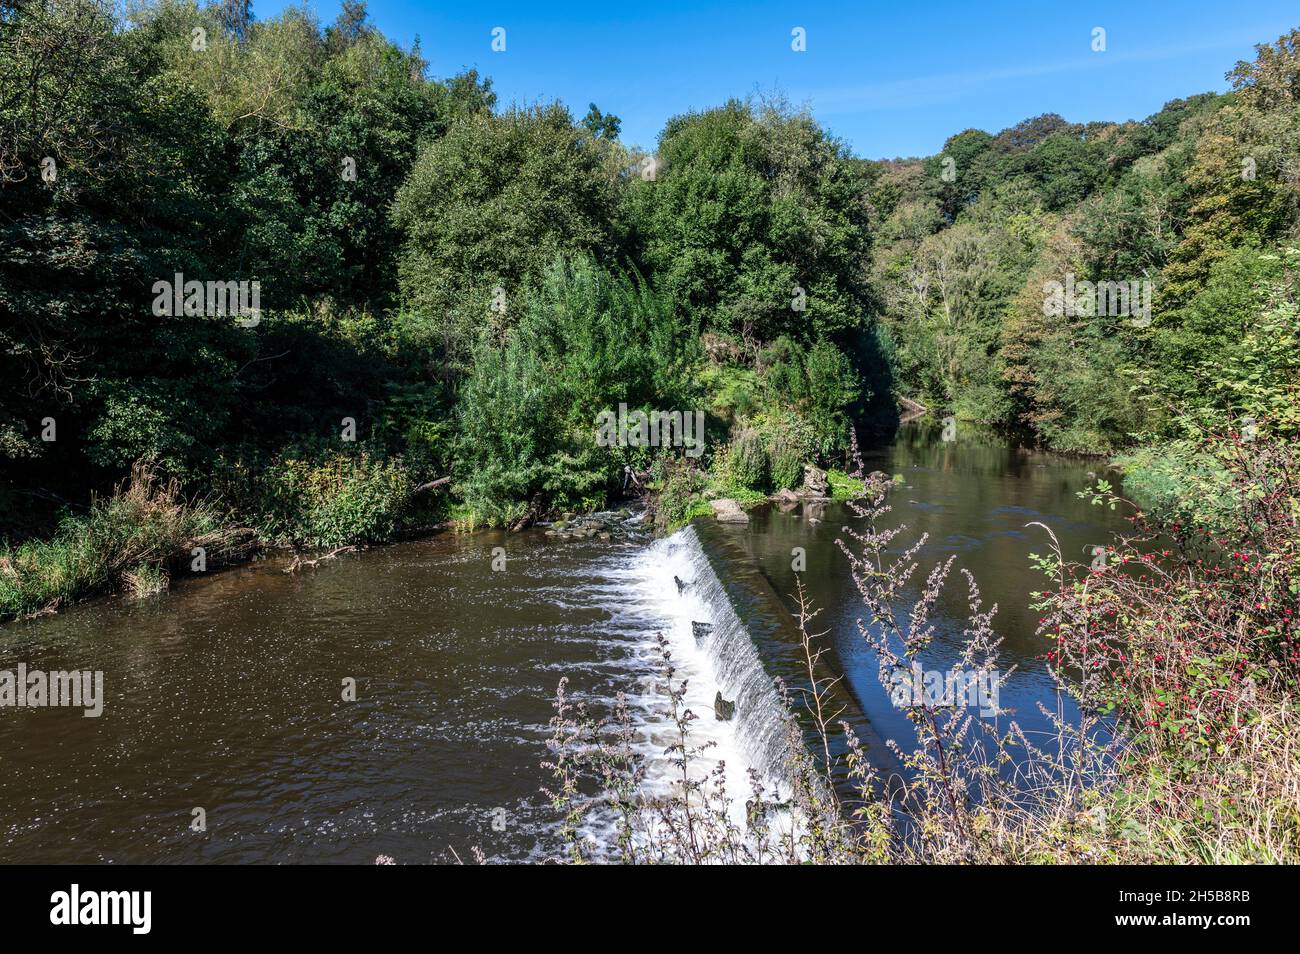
x: 453, y: 287
x: 471, y: 283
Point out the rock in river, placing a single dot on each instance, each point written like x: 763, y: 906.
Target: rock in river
x: 727, y: 510
x: 722, y: 709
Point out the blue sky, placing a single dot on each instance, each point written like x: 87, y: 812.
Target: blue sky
x: 891, y: 79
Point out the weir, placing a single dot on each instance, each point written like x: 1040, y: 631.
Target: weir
x: 752, y: 640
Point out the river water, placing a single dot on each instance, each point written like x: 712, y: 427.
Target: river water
x: 226, y: 695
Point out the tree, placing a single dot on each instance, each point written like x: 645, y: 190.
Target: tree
x: 489, y: 206
x: 350, y: 25
x: 235, y: 16
x: 601, y: 125
x: 756, y: 221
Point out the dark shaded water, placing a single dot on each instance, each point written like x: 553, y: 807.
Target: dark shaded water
x: 226, y: 694
x: 975, y: 500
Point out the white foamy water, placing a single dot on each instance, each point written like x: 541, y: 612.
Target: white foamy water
x: 667, y: 588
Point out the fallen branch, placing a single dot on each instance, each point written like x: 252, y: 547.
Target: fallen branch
x: 431, y: 485
x: 298, y: 562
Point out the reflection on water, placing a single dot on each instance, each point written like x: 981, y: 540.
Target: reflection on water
x: 226, y: 694
x: 975, y: 499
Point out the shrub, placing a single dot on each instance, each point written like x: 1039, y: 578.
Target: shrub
x: 679, y: 484
x: 587, y: 342
x: 323, y: 500
x: 131, y: 539
x: 790, y: 443
x: 746, y: 463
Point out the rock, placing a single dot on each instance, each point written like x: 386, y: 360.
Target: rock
x: 722, y: 709
x: 608, y: 525
x: 729, y: 511
x: 815, y: 483
x: 879, y: 475
x: 700, y: 630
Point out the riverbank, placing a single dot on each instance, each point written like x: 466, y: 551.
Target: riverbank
x: 1199, y: 664
x: 228, y: 688
x: 1170, y: 735
x: 136, y: 539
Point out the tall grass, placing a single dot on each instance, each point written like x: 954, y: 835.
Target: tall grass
x: 129, y: 541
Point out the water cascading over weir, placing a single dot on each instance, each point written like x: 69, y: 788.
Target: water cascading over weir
x: 742, y: 625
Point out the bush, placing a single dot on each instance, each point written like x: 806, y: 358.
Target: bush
x: 330, y: 500
x: 132, y: 539
x: 818, y: 383
x: 746, y: 463
x: 587, y: 342
x: 679, y: 485
x: 790, y: 444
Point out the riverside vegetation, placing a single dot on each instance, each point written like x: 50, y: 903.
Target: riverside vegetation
x: 452, y: 288
x: 1182, y: 659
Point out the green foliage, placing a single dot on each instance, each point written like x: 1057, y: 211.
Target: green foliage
x: 143, y: 529
x: 1185, y: 201
x: 490, y: 206
x: 747, y: 464
x: 222, y: 166
x: 328, y: 499
x: 843, y: 486
x: 748, y: 203
x: 789, y: 442
x: 817, y: 383
x: 1180, y: 482
x: 734, y: 391
x: 487, y: 283
x: 766, y: 454
x: 678, y: 499
x: 586, y: 342
x: 1231, y: 352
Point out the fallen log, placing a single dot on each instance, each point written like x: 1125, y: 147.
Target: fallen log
x: 431, y: 485
x: 298, y: 562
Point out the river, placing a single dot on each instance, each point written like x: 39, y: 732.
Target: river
x: 225, y: 698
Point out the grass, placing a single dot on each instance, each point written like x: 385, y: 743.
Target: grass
x: 843, y: 487
x: 128, y: 542
x: 742, y: 495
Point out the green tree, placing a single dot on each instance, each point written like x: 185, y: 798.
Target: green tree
x: 489, y: 206
x: 756, y: 221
